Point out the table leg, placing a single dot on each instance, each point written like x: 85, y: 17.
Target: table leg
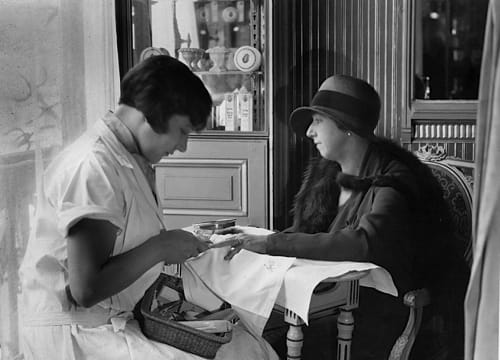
x: 345, y: 322
x: 294, y: 336
x: 294, y: 342
x: 345, y: 326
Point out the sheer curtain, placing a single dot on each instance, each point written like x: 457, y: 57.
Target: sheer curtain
x: 58, y: 73
x: 482, y: 302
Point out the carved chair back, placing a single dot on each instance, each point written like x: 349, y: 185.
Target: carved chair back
x: 457, y: 193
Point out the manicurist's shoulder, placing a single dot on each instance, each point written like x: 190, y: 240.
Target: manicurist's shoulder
x: 86, y: 161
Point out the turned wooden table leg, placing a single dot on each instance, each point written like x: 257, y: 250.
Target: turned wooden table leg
x: 294, y: 336
x: 345, y: 322
x: 345, y: 326
x: 294, y: 342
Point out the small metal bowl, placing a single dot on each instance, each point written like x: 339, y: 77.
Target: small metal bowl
x: 206, y: 229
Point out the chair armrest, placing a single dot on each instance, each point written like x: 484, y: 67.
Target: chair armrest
x: 417, y: 298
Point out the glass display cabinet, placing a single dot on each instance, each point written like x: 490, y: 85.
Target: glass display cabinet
x: 224, y: 172
x: 222, y: 41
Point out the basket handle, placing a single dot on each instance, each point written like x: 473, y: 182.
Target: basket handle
x: 154, y: 290
x: 150, y: 294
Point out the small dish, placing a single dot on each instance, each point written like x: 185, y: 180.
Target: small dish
x: 206, y: 229
x: 247, y: 58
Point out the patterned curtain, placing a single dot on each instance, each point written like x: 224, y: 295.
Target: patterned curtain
x: 482, y: 302
x: 58, y: 73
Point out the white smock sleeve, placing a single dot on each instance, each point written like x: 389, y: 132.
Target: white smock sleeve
x: 90, y: 188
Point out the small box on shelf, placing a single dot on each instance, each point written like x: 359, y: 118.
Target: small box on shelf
x: 234, y: 112
x: 245, y: 109
x: 231, y: 111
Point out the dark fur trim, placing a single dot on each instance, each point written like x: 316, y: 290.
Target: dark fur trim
x: 316, y: 202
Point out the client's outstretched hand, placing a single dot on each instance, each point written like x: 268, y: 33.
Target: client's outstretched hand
x: 255, y: 243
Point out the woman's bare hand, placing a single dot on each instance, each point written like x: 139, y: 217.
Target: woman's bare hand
x: 255, y: 243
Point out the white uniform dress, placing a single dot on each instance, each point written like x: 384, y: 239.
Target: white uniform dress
x: 96, y: 177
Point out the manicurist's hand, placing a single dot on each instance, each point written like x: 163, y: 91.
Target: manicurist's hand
x: 255, y: 243
x: 96, y: 274
x: 178, y: 245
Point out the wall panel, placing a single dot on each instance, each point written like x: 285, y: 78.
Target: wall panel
x: 213, y: 179
x: 198, y: 186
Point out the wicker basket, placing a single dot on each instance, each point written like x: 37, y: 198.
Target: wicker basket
x: 171, y: 332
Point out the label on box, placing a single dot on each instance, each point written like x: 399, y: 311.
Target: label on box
x: 220, y: 116
x: 230, y: 102
x: 245, y: 111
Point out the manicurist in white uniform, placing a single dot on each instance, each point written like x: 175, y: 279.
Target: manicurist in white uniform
x: 99, y: 241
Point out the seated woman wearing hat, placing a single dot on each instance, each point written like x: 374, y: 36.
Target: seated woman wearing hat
x: 365, y: 200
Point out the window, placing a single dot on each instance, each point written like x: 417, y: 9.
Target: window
x: 448, y: 48
x: 445, y: 63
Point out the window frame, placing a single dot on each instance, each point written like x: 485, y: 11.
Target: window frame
x: 436, y: 110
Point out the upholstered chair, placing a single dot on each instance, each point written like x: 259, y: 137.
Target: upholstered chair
x: 457, y: 192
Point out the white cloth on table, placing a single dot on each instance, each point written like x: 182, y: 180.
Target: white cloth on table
x: 252, y: 283
x: 305, y: 275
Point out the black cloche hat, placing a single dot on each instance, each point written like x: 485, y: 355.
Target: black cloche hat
x: 352, y: 102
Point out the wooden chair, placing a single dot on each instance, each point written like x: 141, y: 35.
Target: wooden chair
x: 457, y: 192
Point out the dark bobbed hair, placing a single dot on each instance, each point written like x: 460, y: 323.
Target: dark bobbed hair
x: 161, y: 86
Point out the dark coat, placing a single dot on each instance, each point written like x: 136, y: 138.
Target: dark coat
x: 394, y: 218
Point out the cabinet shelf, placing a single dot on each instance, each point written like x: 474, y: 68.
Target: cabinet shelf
x: 229, y: 72
x: 220, y: 134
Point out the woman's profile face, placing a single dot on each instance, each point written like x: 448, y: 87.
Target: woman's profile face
x: 327, y: 137
x: 155, y: 145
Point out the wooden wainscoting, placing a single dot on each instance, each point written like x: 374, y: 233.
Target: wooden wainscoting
x: 215, y: 179
x: 455, y: 138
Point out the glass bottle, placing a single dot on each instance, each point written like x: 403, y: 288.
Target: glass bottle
x: 427, y: 87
